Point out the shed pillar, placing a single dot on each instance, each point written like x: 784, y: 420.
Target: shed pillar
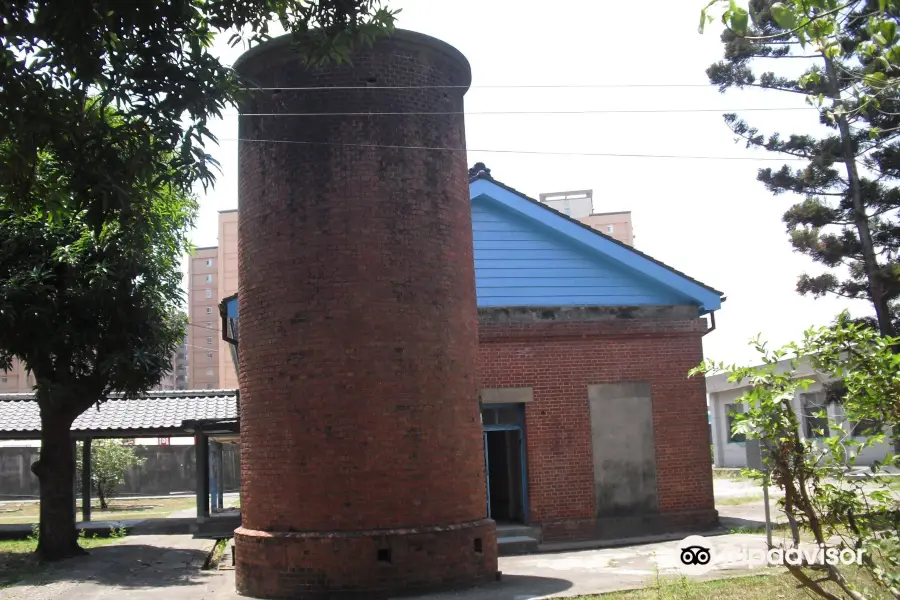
x: 86, y: 480
x: 201, y: 450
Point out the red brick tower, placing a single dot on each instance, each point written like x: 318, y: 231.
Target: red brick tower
x: 361, y: 445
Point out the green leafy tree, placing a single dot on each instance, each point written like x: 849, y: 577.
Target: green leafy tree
x: 110, y: 459
x: 153, y: 62
x: 849, y: 54
x: 89, y: 313
x: 819, y: 498
x: 102, y: 131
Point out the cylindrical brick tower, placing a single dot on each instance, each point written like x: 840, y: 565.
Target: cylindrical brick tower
x: 361, y: 444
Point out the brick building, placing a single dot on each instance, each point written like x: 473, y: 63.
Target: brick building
x: 379, y: 302
x: 592, y: 428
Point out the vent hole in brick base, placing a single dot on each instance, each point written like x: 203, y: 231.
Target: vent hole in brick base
x: 478, y: 546
x: 384, y: 555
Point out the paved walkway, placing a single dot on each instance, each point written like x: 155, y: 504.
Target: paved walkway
x: 169, y: 568
x: 150, y: 567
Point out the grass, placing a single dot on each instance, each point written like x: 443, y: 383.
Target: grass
x: 119, y: 508
x: 782, y: 586
x: 17, y: 556
x: 738, y: 500
x: 733, y: 474
x: 777, y: 528
x: 215, y: 557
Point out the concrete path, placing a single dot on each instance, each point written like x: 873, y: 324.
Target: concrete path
x: 169, y: 568
x: 164, y: 567
x: 595, y: 571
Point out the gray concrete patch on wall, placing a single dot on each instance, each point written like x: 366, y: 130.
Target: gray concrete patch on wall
x: 624, y: 452
x: 511, y: 395
x: 582, y: 314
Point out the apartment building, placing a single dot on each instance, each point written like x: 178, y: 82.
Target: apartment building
x: 228, y: 285
x: 177, y: 379
x: 212, y: 275
x: 203, y: 318
x: 616, y: 225
x: 16, y: 379
x: 579, y: 205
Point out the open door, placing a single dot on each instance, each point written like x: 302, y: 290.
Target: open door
x: 504, y: 451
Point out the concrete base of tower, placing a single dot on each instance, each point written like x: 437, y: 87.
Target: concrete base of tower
x: 364, y: 564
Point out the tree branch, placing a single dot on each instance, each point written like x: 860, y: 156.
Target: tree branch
x: 787, y: 32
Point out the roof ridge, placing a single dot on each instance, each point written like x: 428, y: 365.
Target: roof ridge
x: 201, y: 393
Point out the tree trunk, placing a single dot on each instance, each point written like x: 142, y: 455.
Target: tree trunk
x: 102, y: 498
x: 860, y: 217
x: 55, y: 469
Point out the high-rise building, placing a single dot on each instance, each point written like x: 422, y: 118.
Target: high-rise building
x: 212, y: 275
x: 579, y: 205
x: 17, y: 379
x: 203, y: 318
x: 228, y: 285
x: 616, y: 225
x: 177, y: 379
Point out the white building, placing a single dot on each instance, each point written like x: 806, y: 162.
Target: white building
x: 724, y: 398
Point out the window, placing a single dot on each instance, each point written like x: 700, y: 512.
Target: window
x: 208, y: 278
x: 208, y: 293
x: 208, y: 340
x: 568, y: 211
x: 209, y: 262
x: 815, y: 415
x: 209, y: 355
x: 209, y: 325
x: 610, y: 229
x: 209, y: 372
x: 3, y: 379
x: 209, y: 310
x: 731, y: 410
x: 501, y: 415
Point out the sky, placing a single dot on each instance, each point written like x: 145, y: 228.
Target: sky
x: 708, y: 218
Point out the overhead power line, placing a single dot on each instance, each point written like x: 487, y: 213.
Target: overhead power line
x: 563, y: 86
x: 495, y: 151
x: 204, y: 327
x: 521, y: 112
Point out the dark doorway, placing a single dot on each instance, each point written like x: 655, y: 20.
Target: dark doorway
x: 503, y: 449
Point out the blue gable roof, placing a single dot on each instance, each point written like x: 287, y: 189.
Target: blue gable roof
x: 527, y: 254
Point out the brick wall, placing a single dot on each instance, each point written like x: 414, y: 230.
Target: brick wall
x: 559, y: 360
x: 359, y: 415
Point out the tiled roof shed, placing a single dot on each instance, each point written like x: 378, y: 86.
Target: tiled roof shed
x: 160, y: 413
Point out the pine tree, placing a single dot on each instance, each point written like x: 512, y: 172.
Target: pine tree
x: 847, y: 220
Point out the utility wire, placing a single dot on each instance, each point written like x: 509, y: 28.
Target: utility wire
x: 214, y: 348
x: 530, y: 152
x: 495, y: 87
x: 522, y: 112
x: 204, y: 327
